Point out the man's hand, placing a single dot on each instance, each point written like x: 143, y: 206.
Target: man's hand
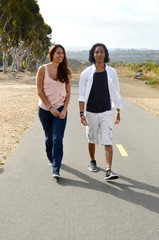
x: 84, y: 121
x: 117, y: 119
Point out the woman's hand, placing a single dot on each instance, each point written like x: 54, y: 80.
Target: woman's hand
x: 62, y: 114
x: 55, y: 112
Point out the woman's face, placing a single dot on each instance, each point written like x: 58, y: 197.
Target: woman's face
x: 99, y: 54
x: 58, y: 55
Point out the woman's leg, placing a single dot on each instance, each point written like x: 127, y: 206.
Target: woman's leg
x: 58, y: 134
x: 46, y: 119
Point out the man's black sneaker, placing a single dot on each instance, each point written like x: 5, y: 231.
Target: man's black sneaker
x: 93, y: 166
x: 110, y: 175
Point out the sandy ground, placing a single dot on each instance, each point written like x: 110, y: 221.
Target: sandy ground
x: 141, y: 94
x: 19, y: 103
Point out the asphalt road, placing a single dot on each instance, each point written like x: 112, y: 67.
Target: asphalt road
x: 82, y: 205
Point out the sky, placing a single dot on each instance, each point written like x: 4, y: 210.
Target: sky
x: 79, y: 24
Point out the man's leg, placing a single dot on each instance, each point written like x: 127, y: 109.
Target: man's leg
x: 108, y: 156
x: 91, y: 149
x: 92, y: 135
x: 92, y: 165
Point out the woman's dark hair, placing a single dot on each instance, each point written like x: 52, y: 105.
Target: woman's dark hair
x: 63, y: 70
x: 91, y: 53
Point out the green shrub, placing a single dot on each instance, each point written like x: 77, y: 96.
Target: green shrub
x: 153, y: 81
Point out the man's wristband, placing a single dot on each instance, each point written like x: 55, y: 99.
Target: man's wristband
x: 81, y: 114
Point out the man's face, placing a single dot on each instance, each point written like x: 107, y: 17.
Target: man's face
x: 99, y: 54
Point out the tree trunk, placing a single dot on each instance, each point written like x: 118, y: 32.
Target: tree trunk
x: 5, y: 61
x: 37, y: 63
x: 28, y: 60
x: 14, y: 61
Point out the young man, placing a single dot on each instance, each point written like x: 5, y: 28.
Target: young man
x: 98, y: 92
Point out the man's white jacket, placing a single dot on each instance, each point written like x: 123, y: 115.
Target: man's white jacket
x: 86, y: 81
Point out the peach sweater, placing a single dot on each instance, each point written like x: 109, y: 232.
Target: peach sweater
x: 55, y: 92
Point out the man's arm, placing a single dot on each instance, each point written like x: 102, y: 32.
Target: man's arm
x: 81, y: 99
x: 83, y: 118
x: 119, y: 105
x: 117, y: 118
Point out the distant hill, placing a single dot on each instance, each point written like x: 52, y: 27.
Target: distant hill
x: 77, y: 65
x: 120, y: 55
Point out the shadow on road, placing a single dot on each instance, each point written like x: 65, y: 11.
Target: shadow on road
x: 131, y: 191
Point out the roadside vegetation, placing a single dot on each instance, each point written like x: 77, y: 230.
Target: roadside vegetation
x: 147, y: 71
x: 24, y: 36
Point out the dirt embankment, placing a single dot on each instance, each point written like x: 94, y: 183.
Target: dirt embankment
x: 141, y: 94
x: 18, y: 101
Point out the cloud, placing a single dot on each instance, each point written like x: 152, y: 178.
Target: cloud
x: 129, y: 23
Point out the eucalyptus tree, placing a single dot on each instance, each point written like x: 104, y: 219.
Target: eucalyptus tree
x: 41, y: 44
x: 25, y: 22
x: 14, y: 15
x: 6, y: 27
x: 38, y: 41
x: 20, y: 24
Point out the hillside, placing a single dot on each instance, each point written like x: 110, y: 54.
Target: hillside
x: 120, y: 55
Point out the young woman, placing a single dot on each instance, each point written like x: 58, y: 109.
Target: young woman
x: 54, y: 90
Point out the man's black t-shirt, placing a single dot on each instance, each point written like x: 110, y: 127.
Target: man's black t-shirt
x: 99, y: 98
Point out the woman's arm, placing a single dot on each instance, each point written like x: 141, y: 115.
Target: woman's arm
x: 67, y: 99
x: 40, y: 83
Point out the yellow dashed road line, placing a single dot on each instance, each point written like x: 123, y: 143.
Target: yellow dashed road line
x: 122, y: 150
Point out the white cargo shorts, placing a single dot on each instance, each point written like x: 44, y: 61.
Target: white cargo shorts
x: 99, y: 123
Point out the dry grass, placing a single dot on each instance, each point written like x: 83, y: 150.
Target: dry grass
x: 123, y: 71
x: 17, y: 112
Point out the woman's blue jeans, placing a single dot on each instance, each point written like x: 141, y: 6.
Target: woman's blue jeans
x: 54, y: 132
